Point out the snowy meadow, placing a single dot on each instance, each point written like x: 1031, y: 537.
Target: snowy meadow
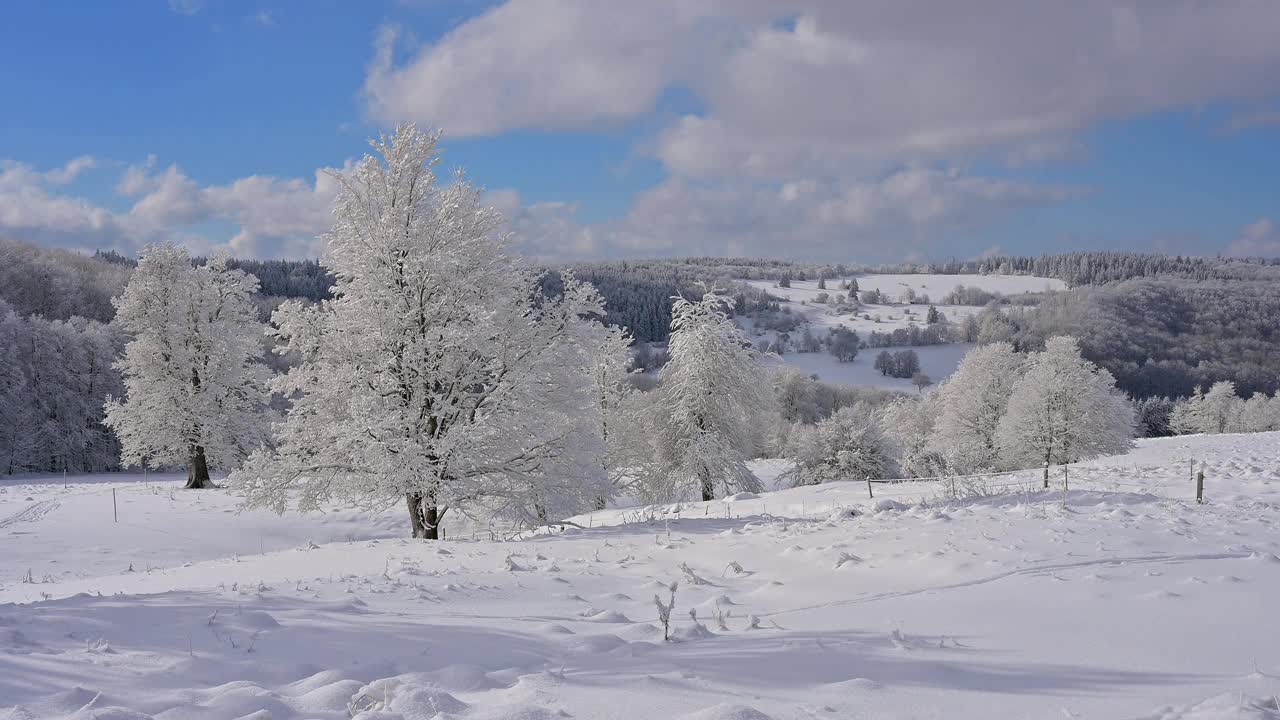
x: 1119, y: 597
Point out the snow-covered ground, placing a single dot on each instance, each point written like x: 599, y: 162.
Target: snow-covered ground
x: 938, y: 362
x: 1118, y: 598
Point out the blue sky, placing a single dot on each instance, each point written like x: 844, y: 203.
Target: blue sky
x: 818, y: 130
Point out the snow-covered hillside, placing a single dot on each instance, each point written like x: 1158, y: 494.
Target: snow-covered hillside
x: 937, y: 361
x: 1118, y: 598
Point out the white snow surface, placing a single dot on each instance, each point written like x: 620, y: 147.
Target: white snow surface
x: 1119, y: 597
x: 936, y: 361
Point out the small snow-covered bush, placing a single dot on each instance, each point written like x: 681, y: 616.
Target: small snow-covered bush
x: 849, y: 445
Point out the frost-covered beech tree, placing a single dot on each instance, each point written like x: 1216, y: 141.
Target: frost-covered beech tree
x: 195, y: 394
x: 439, y: 375
x: 1260, y: 413
x: 607, y: 364
x: 972, y: 401
x: 849, y: 445
x: 712, y: 393
x: 1063, y: 409
x: 911, y: 424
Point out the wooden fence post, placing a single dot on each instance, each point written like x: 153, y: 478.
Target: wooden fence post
x: 1200, y: 485
x: 115, y: 510
x: 1046, y: 474
x: 869, y: 493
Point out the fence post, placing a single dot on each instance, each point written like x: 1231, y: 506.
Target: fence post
x: 869, y: 493
x: 115, y: 510
x: 1200, y: 485
x: 1046, y: 474
x: 1065, y: 486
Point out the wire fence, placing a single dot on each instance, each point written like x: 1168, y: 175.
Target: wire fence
x: 1174, y: 480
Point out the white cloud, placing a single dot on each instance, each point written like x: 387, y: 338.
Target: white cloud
x: 264, y: 18
x: 186, y: 7
x: 794, y: 78
x: 1258, y: 239
x: 823, y: 126
x: 548, y: 64
x: 72, y: 170
x: 911, y: 212
x: 272, y: 217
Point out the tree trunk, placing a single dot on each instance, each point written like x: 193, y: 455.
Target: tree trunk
x: 431, y: 519
x: 423, y: 517
x: 708, y: 487
x: 198, y: 471
x: 414, y: 502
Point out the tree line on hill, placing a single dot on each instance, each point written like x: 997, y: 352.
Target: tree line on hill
x: 1159, y: 337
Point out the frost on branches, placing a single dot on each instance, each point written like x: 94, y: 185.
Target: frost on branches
x: 438, y: 375
x: 712, y: 393
x: 195, y: 393
x: 972, y: 402
x: 849, y: 445
x: 1063, y: 409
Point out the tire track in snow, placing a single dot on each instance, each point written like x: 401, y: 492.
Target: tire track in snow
x: 1033, y: 570
x: 31, y: 513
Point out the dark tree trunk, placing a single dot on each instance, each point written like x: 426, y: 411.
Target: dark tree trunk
x: 414, y: 503
x: 424, y: 518
x: 431, y: 519
x: 708, y: 488
x: 198, y: 471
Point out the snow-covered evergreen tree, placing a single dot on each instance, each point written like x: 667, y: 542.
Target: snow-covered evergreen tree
x: 713, y: 391
x: 971, y: 403
x: 195, y: 395
x: 438, y: 374
x: 1063, y: 409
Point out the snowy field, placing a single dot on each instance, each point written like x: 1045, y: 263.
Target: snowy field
x: 1119, y: 598
x: 938, y: 362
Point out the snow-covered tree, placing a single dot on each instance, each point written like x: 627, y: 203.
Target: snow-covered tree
x: 849, y: 445
x: 439, y: 374
x: 13, y: 381
x: 604, y: 357
x: 1183, y: 419
x: 1063, y: 409
x: 712, y: 392
x: 1218, y: 410
x: 1260, y: 413
x: 911, y: 424
x: 972, y: 401
x: 195, y: 394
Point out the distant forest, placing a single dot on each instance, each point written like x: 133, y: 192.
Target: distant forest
x: 1162, y: 325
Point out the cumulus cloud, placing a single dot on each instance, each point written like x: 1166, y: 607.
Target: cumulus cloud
x: 1258, y: 239
x: 863, y: 78
x: 822, y: 124
x: 909, y: 212
x: 272, y: 216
